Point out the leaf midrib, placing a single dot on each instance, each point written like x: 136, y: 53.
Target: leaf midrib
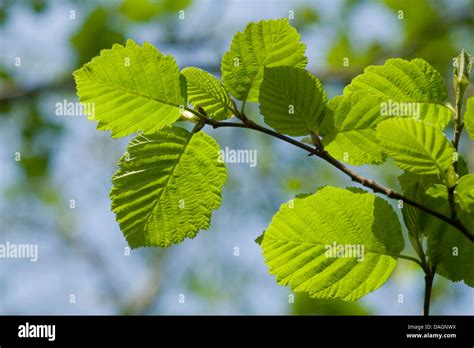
x: 387, y: 253
x: 112, y: 86
x: 441, y: 171
x: 165, y: 184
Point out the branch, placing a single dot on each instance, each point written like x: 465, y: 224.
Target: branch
x: 429, y: 277
x: 462, y: 72
x: 452, y: 203
x: 427, y: 299
x: 376, y: 187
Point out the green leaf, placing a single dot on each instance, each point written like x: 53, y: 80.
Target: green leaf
x: 414, y: 187
x: 259, y: 239
x: 450, y: 250
x: 411, y: 218
x: 264, y: 43
x: 464, y: 193
x: 292, y: 100
x: 416, y: 146
x: 438, y: 191
x: 132, y: 88
x: 405, y: 88
x: 298, y: 242
x: 435, y: 114
x: 352, y: 138
x: 447, y: 248
x: 401, y: 80
x: 462, y: 166
x: 206, y: 91
x: 327, y: 124
x: 469, y: 117
x: 408, y: 179
x: 167, y: 186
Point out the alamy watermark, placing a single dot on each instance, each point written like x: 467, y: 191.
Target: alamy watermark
x: 19, y: 251
x: 68, y: 108
x: 28, y: 330
x: 335, y: 250
x: 393, y: 108
x: 247, y: 156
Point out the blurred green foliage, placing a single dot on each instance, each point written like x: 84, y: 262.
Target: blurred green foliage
x: 145, y: 10
x: 434, y: 30
x: 305, y: 305
x: 98, y: 27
